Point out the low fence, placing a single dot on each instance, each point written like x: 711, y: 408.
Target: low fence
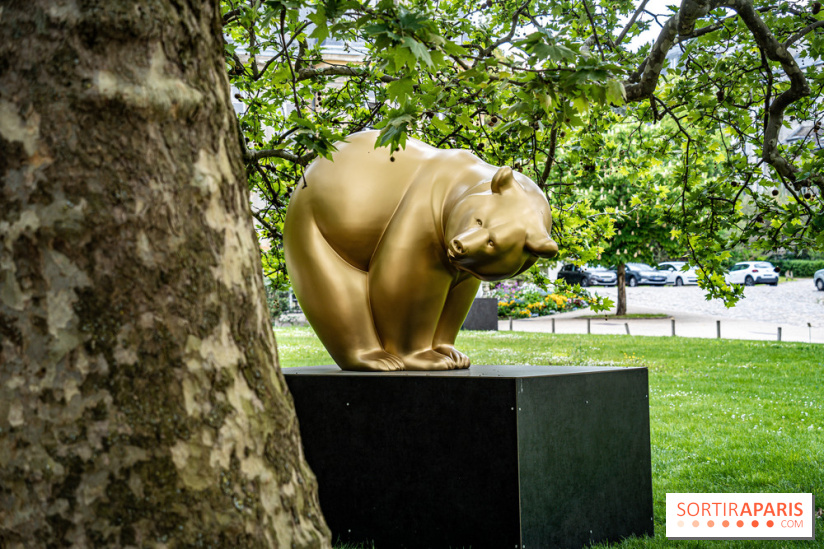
x: 713, y: 329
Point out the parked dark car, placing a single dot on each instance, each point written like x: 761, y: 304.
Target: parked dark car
x: 588, y: 275
x: 641, y: 273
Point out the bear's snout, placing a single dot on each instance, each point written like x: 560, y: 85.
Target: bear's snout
x: 468, y: 242
x: 458, y: 248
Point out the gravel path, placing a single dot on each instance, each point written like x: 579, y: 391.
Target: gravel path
x: 790, y: 303
x: 789, y: 306
x: 792, y: 310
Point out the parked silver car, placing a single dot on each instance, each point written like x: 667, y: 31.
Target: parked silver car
x: 588, y: 275
x: 818, y: 278
x: 641, y: 273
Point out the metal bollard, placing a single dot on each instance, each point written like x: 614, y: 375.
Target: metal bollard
x: 718, y: 329
x: 779, y: 333
x: 510, y: 324
x: 589, y: 331
x: 673, y: 327
x: 553, y: 325
x: 626, y: 325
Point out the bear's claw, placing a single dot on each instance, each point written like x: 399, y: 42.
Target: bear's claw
x: 460, y: 359
x: 377, y: 360
x: 428, y: 360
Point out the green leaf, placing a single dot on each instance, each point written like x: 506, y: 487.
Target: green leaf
x: 561, y: 53
x: 541, y: 51
x: 546, y: 102
x: 400, y: 89
x: 464, y: 120
x: 581, y: 104
x: 318, y: 17
x: 453, y: 49
x: 404, y: 57
x: 437, y: 58
x: 378, y: 28
x: 418, y: 50
x: 440, y: 124
x: 604, y: 304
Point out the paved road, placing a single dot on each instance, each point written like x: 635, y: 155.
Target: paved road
x: 790, y: 306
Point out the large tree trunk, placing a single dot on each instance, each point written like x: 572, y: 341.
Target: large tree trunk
x: 621, y: 307
x: 141, y: 402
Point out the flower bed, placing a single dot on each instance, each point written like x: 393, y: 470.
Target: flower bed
x: 528, y: 300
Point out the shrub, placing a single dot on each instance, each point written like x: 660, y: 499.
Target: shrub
x: 276, y: 300
x: 799, y: 267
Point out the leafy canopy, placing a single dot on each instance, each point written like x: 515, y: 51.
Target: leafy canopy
x: 547, y: 87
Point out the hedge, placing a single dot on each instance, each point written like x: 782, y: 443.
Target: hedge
x: 799, y: 267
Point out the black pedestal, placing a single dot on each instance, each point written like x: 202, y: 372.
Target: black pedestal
x: 483, y: 315
x: 491, y: 457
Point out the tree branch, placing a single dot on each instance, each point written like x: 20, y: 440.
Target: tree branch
x: 641, y: 84
x: 284, y: 52
x: 254, y: 156
x: 717, y: 26
x: 550, y: 154
x: 230, y: 16
x: 799, y: 87
x: 594, y: 30
x: 809, y: 28
x: 503, y: 40
x: 335, y: 70
x: 252, y: 48
x: 631, y: 22
x: 690, y: 12
x: 364, y: 123
x: 769, y: 85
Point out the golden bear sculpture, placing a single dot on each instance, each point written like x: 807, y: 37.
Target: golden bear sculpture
x: 385, y: 251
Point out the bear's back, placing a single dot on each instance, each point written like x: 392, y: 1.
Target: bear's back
x: 353, y: 198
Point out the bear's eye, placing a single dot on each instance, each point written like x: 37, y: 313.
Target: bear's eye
x: 491, y: 243
x: 479, y: 222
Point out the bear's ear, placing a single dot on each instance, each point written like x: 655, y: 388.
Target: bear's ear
x: 503, y: 179
x: 542, y: 246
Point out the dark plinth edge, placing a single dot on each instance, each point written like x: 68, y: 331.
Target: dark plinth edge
x: 473, y: 371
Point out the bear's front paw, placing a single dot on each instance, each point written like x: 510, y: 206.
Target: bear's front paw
x: 461, y: 360
x: 376, y: 360
x: 428, y: 360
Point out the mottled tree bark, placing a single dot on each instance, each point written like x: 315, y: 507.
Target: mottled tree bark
x: 140, y: 399
x: 621, y: 305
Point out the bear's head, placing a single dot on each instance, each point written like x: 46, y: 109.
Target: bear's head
x: 499, y: 233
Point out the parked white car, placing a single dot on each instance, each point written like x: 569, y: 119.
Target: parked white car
x: 750, y: 273
x: 818, y: 278
x: 675, y: 275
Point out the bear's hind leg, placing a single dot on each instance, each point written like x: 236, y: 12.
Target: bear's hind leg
x: 333, y: 295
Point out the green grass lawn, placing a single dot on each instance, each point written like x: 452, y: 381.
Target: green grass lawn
x: 725, y: 415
